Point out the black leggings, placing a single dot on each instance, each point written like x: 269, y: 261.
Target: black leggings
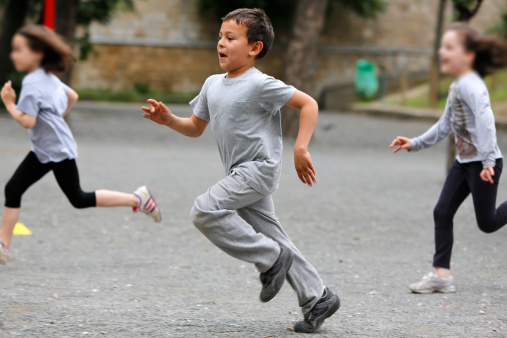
x: 31, y: 170
x: 463, y: 179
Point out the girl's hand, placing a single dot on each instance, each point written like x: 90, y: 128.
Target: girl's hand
x: 158, y: 113
x: 402, y: 143
x: 8, y: 94
x: 487, y: 175
x: 304, y: 167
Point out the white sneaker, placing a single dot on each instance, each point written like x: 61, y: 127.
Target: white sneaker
x: 433, y: 283
x: 4, y: 253
x: 147, y: 204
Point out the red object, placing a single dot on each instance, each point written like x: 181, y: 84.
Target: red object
x: 49, y: 13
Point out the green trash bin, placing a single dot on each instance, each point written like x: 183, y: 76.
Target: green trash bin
x: 366, y: 79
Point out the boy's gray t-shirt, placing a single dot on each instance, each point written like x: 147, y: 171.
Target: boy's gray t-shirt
x: 468, y: 114
x: 244, y: 114
x: 44, y: 96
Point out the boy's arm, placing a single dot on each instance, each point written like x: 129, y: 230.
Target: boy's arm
x: 72, y: 96
x: 159, y: 113
x: 307, y: 121
x: 9, y: 98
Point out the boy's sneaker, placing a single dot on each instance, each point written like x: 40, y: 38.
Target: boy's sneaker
x: 328, y: 304
x: 433, y: 283
x: 273, y: 279
x: 147, y: 204
x: 4, y: 253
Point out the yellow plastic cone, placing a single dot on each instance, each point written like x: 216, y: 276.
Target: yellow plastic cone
x: 21, y: 229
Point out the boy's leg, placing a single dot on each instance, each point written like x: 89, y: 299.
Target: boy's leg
x: 302, y: 276
x: 214, y: 214
x: 454, y: 192
x: 489, y: 218
x: 28, y: 172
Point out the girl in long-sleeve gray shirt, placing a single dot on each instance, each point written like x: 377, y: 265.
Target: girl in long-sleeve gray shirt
x: 468, y: 56
x: 468, y: 114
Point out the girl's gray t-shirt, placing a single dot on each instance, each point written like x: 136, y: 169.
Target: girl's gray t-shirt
x: 44, y: 96
x: 468, y: 114
x: 244, y: 114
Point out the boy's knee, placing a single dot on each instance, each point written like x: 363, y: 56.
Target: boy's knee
x: 200, y: 213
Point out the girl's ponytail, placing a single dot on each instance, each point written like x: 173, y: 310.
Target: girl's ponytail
x: 490, y: 52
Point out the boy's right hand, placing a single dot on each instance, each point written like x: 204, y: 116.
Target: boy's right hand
x: 158, y: 112
x: 402, y: 143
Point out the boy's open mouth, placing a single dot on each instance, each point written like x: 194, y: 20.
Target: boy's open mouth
x: 222, y: 55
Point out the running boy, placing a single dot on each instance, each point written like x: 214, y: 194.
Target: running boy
x: 237, y: 213
x: 468, y: 56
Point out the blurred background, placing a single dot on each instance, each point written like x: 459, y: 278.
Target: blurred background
x: 342, y: 52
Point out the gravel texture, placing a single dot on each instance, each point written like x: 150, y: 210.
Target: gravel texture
x: 366, y: 226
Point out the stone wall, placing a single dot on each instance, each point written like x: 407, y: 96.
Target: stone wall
x: 168, y: 44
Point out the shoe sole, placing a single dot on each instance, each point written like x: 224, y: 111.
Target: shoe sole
x: 447, y: 289
x: 331, y: 312
x: 282, y: 272
x: 154, y: 201
x: 4, y: 258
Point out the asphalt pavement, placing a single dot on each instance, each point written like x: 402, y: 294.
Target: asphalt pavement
x: 366, y: 226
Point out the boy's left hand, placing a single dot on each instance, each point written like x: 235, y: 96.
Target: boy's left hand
x: 8, y: 94
x: 487, y: 175
x: 304, y: 167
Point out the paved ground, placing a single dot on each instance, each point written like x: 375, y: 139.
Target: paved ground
x: 366, y: 226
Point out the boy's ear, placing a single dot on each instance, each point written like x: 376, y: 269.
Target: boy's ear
x: 256, y: 48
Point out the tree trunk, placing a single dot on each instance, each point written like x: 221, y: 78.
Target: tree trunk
x: 66, y: 14
x: 435, y: 61
x: 15, y: 12
x: 301, y: 63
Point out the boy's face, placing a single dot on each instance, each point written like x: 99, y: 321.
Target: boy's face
x: 234, y: 51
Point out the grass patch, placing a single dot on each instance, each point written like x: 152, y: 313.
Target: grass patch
x: 496, y: 83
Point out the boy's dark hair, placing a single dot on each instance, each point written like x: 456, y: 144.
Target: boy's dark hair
x: 258, y: 27
x: 490, y: 52
x: 57, y: 54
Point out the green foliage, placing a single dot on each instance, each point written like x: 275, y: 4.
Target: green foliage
x: 464, y: 10
x: 500, y: 26
x: 364, y: 8
x: 279, y: 11
x: 100, y: 10
x: 88, y: 12
x: 85, y: 47
x: 142, y: 88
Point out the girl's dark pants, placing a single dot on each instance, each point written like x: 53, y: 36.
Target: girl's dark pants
x: 31, y: 170
x: 463, y: 179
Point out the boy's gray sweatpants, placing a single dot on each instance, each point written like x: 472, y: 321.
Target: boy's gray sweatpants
x: 242, y: 222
